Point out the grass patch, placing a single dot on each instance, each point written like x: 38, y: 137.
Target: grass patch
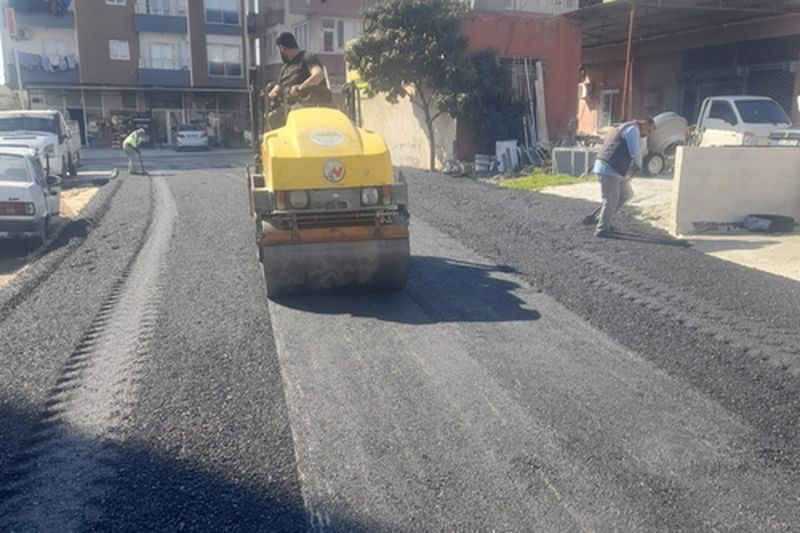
x: 540, y: 179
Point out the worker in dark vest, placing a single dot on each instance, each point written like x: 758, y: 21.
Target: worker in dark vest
x: 302, y: 74
x: 621, y: 150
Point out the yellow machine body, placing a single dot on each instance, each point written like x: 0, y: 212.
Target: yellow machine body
x: 295, y: 156
x: 330, y: 211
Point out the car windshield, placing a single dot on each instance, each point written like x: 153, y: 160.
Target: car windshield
x: 761, y: 112
x: 191, y: 127
x: 13, y: 168
x: 49, y: 125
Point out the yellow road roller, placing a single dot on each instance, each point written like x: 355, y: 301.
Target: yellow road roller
x: 330, y: 212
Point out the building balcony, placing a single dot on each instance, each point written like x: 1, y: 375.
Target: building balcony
x: 166, y: 16
x: 153, y: 77
x: 342, y: 8
x: 226, y: 82
x: 41, y: 77
x: 160, y: 24
x: 46, y: 19
x: 164, y: 72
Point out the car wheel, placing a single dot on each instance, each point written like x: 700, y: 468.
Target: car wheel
x: 73, y: 170
x: 654, y: 164
x: 41, y: 238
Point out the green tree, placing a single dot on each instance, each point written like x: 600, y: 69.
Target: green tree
x: 415, y: 49
x: 489, y: 103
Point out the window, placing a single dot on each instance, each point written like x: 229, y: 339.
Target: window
x: 723, y: 111
x: 225, y: 60
x: 163, y: 56
x: 12, y: 168
x: 337, y: 32
x: 57, y: 48
x: 272, y: 49
x: 301, y: 34
x: 761, y: 112
x: 119, y: 50
x: 609, y: 108
x: 162, y: 7
x: 128, y: 100
x: 115, y: 2
x: 222, y: 12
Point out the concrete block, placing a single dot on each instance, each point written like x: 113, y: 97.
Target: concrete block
x: 724, y: 185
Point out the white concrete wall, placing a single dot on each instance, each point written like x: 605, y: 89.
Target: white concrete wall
x: 403, y: 127
x: 724, y: 185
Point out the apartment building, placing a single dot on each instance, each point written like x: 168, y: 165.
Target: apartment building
x: 112, y: 65
x: 323, y: 27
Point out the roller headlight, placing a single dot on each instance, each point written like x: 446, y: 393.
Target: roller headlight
x: 298, y: 199
x: 370, y: 196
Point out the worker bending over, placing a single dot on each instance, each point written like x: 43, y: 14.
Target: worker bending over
x: 131, y: 147
x: 622, y: 148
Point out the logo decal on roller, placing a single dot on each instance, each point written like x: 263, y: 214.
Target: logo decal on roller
x: 326, y: 137
x: 334, y: 171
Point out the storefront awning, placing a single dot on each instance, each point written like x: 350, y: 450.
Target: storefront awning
x: 607, y: 24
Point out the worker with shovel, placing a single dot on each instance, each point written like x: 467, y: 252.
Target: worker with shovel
x: 621, y: 151
x: 131, y: 146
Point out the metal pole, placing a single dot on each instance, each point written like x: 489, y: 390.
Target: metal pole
x: 20, y: 88
x: 627, y: 82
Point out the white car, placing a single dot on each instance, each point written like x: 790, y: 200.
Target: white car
x: 29, y: 200
x: 46, y: 132
x: 739, y: 121
x: 191, y: 137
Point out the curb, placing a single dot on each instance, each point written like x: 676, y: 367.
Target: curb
x: 47, y: 258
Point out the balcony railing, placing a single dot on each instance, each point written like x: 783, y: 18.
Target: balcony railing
x: 169, y: 8
x: 163, y: 63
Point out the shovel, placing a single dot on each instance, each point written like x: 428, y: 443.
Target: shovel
x: 141, y: 164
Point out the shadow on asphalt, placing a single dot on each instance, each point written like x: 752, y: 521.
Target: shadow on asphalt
x: 154, y: 491
x: 439, y: 290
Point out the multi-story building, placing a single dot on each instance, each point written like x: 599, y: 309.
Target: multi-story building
x: 323, y: 27
x: 113, y: 64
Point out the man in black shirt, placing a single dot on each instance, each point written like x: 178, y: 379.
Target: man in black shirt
x: 300, y: 71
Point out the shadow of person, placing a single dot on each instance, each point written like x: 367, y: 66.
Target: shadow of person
x: 439, y: 290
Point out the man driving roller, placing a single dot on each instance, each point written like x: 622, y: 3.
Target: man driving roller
x: 300, y: 71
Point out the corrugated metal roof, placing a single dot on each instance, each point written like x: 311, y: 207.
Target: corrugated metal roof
x: 606, y: 24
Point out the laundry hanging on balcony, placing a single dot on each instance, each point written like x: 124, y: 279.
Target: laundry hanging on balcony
x: 52, y: 63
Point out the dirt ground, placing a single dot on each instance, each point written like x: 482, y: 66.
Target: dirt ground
x: 15, y: 259
x: 776, y: 254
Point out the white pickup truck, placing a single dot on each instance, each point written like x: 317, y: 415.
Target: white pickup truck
x: 57, y: 145
x: 738, y: 121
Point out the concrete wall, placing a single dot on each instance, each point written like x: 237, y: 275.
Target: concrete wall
x: 723, y: 185
x: 403, y: 128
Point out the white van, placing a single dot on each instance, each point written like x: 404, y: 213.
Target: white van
x: 738, y: 121
x: 46, y: 132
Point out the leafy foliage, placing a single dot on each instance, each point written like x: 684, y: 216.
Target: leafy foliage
x: 412, y: 43
x: 415, y: 49
x: 489, y: 103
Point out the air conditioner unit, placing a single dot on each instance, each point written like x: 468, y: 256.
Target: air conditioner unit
x: 23, y: 34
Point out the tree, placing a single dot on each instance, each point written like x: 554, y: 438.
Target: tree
x: 489, y: 103
x: 414, y: 49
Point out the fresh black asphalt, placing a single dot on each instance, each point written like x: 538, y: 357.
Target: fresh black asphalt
x: 213, y: 444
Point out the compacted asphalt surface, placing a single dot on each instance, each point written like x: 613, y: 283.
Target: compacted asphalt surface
x: 529, y: 378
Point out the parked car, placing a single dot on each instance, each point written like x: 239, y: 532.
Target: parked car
x: 738, y: 121
x: 57, y: 147
x: 29, y: 199
x: 785, y: 137
x: 191, y: 137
